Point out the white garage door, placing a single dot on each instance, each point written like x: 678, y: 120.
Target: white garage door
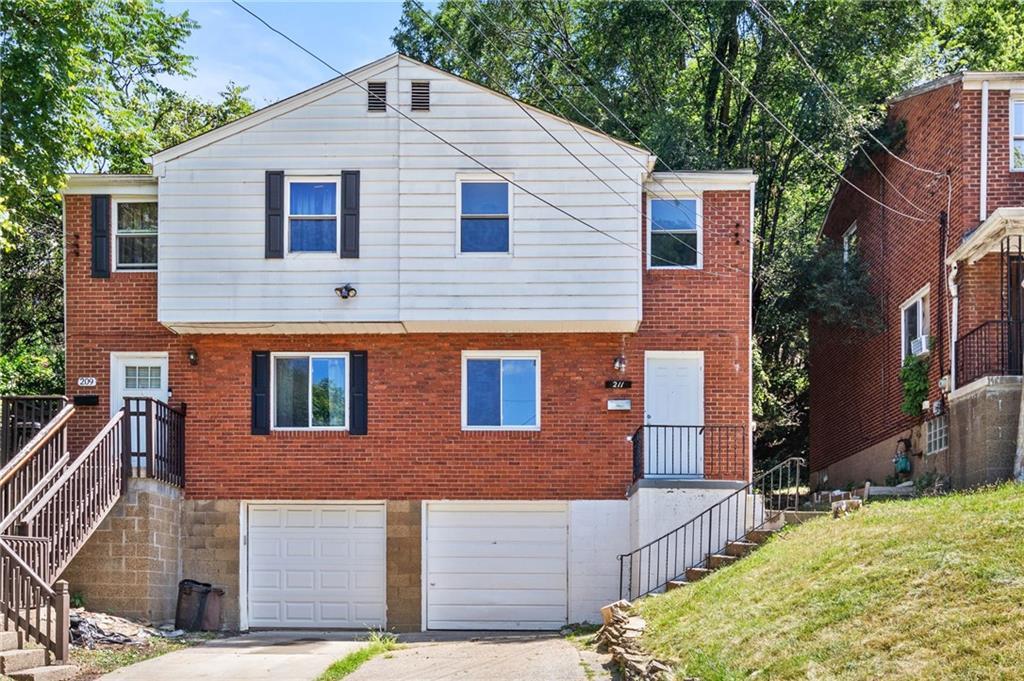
x: 316, y: 565
x: 497, y: 565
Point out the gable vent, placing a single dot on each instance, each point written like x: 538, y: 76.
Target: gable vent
x: 377, y: 96
x: 421, y: 95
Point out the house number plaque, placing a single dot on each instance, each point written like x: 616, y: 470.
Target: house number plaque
x: 618, y: 385
x: 87, y: 382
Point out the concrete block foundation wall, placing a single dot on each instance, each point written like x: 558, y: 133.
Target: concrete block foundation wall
x: 210, y: 550
x: 132, y: 563
x: 404, y: 565
x: 983, y: 432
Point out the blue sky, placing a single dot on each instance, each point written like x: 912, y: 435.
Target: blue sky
x: 230, y: 45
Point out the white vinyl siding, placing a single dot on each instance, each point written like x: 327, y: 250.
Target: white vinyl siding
x: 561, y: 274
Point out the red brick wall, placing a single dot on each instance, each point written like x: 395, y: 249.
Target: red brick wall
x: 415, y: 447
x: 855, y: 388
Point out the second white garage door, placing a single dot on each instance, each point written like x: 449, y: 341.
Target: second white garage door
x: 316, y: 565
x: 496, y: 565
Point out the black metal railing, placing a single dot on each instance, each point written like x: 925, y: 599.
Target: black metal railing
x: 754, y: 506
x: 22, y: 417
x: 993, y: 348
x: 154, y: 440
x: 698, y: 452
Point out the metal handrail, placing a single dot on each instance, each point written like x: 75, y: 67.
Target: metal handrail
x: 41, y: 612
x: 708, y: 451
x: 986, y: 350
x: 25, y: 454
x: 21, y: 417
x: 652, y: 566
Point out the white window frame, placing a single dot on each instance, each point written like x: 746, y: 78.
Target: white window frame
x: 114, y: 229
x: 309, y: 390
x: 848, y: 237
x: 485, y: 177
x: 288, y: 180
x: 500, y: 355
x: 923, y: 320
x: 699, y: 198
x: 1015, y: 99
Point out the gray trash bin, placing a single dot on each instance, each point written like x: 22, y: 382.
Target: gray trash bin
x: 198, y: 606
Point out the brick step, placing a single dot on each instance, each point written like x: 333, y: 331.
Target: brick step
x: 717, y: 560
x: 54, y: 672
x: 739, y: 548
x: 17, y: 660
x: 697, y: 574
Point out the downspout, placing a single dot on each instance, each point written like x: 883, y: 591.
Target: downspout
x: 750, y: 337
x: 954, y: 294
x: 983, y: 191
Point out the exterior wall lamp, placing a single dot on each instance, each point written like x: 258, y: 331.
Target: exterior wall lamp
x: 193, y: 356
x: 619, y: 363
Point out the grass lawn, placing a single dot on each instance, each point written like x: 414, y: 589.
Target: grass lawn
x: 922, y: 589
x: 379, y: 642
x: 99, y: 661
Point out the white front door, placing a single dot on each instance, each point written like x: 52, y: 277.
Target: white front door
x: 674, y: 414
x: 496, y: 565
x: 137, y: 374
x: 316, y: 565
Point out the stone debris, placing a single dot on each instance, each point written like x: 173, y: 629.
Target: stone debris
x: 620, y: 636
x: 842, y: 508
x: 89, y: 629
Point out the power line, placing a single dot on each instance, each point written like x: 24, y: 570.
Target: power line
x: 779, y: 121
x: 439, y: 137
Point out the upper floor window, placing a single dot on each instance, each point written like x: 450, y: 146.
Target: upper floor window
x: 312, y: 215
x: 674, y: 233
x: 914, y: 324
x: 484, y: 217
x: 1017, y: 143
x: 310, y: 391
x: 135, y: 231
x: 849, y: 242
x: 501, y: 390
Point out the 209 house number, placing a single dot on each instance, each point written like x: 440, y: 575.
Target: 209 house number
x: 87, y: 382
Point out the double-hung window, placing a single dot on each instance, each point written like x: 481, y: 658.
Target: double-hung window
x: 310, y: 391
x: 850, y: 242
x: 484, y: 217
x: 1017, y: 140
x: 312, y: 215
x: 914, y: 324
x: 501, y: 390
x: 135, y: 233
x: 674, y: 233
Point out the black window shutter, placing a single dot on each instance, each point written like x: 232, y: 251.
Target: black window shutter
x: 101, y: 235
x: 275, y: 214
x: 350, y: 214
x: 357, y: 387
x: 260, y: 392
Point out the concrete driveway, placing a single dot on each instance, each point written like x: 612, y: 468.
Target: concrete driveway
x: 302, y: 656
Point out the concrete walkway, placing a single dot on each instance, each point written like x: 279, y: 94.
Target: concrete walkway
x: 263, y: 656
x: 302, y: 656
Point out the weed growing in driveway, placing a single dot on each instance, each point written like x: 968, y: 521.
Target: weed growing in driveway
x: 378, y: 642
x: 98, y: 661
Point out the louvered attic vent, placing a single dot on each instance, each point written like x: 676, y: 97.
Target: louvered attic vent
x: 421, y: 95
x: 377, y: 96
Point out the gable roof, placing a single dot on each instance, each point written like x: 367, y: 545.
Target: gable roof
x: 329, y: 87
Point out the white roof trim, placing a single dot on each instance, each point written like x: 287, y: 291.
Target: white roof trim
x: 95, y: 183
x: 689, y: 182
x: 997, y: 80
x: 1003, y: 222
x: 341, y: 82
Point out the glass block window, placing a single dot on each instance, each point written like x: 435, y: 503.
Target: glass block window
x: 937, y: 432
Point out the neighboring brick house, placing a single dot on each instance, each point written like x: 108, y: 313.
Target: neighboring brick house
x: 396, y: 364
x: 951, y: 291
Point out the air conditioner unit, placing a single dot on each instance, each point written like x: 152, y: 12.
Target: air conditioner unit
x: 919, y: 345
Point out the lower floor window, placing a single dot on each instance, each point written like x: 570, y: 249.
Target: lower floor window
x: 937, y: 434
x: 310, y: 391
x: 501, y: 391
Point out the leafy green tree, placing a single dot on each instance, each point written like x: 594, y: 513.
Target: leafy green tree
x: 79, y: 92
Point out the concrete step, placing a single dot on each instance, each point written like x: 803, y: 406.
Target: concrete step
x: 16, y: 660
x: 674, y: 584
x: 718, y: 560
x: 697, y: 574
x: 759, y: 536
x: 739, y: 548
x: 9, y: 640
x: 797, y: 517
x: 54, y: 672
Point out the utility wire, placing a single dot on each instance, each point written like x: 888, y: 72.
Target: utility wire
x: 817, y: 156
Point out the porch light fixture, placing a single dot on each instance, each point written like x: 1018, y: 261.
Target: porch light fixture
x: 619, y: 363
x: 347, y: 291
x: 193, y: 356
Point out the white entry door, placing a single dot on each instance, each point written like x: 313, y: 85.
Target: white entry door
x: 316, y: 565
x: 496, y: 565
x: 137, y: 374
x: 674, y: 414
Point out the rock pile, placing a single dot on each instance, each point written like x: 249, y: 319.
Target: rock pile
x: 620, y: 635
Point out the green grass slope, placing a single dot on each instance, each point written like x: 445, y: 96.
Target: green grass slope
x: 925, y: 589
